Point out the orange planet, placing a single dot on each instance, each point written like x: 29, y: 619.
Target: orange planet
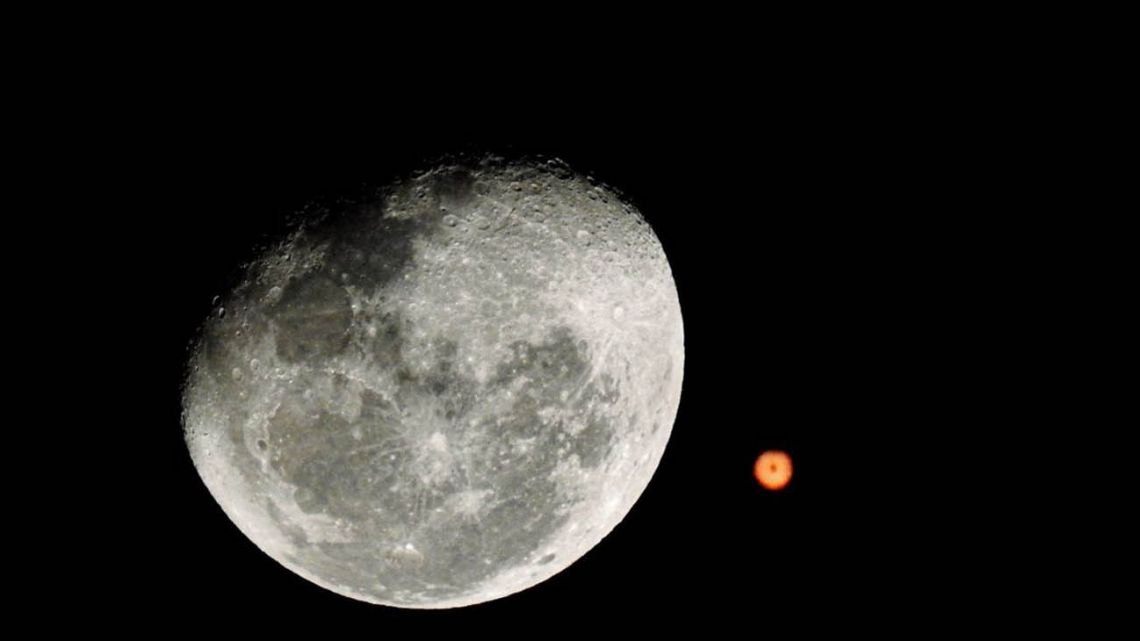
x: 773, y: 470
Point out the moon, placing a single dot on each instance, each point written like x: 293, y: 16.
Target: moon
x: 446, y: 391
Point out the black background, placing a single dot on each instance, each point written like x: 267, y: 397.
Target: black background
x: 861, y: 210
x: 777, y: 217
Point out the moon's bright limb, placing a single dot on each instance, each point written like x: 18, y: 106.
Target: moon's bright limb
x: 773, y: 469
x: 446, y: 393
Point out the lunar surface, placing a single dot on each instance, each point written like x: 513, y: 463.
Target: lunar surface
x: 443, y: 393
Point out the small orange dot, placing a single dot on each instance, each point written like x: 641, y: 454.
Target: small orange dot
x: 773, y: 470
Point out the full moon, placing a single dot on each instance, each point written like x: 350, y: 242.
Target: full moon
x: 443, y: 392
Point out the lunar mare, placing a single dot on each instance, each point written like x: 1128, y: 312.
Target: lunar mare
x: 445, y: 393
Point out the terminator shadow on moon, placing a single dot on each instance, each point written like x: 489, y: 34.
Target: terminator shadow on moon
x: 444, y: 393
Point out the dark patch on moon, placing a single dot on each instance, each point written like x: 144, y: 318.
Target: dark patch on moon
x: 375, y: 248
x: 383, y: 473
x: 454, y: 189
x: 596, y: 440
x: 385, y: 343
x: 312, y: 319
x: 372, y: 246
x: 339, y: 469
x: 561, y: 365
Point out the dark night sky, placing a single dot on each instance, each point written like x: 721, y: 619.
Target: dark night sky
x: 872, y: 227
x: 779, y: 225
